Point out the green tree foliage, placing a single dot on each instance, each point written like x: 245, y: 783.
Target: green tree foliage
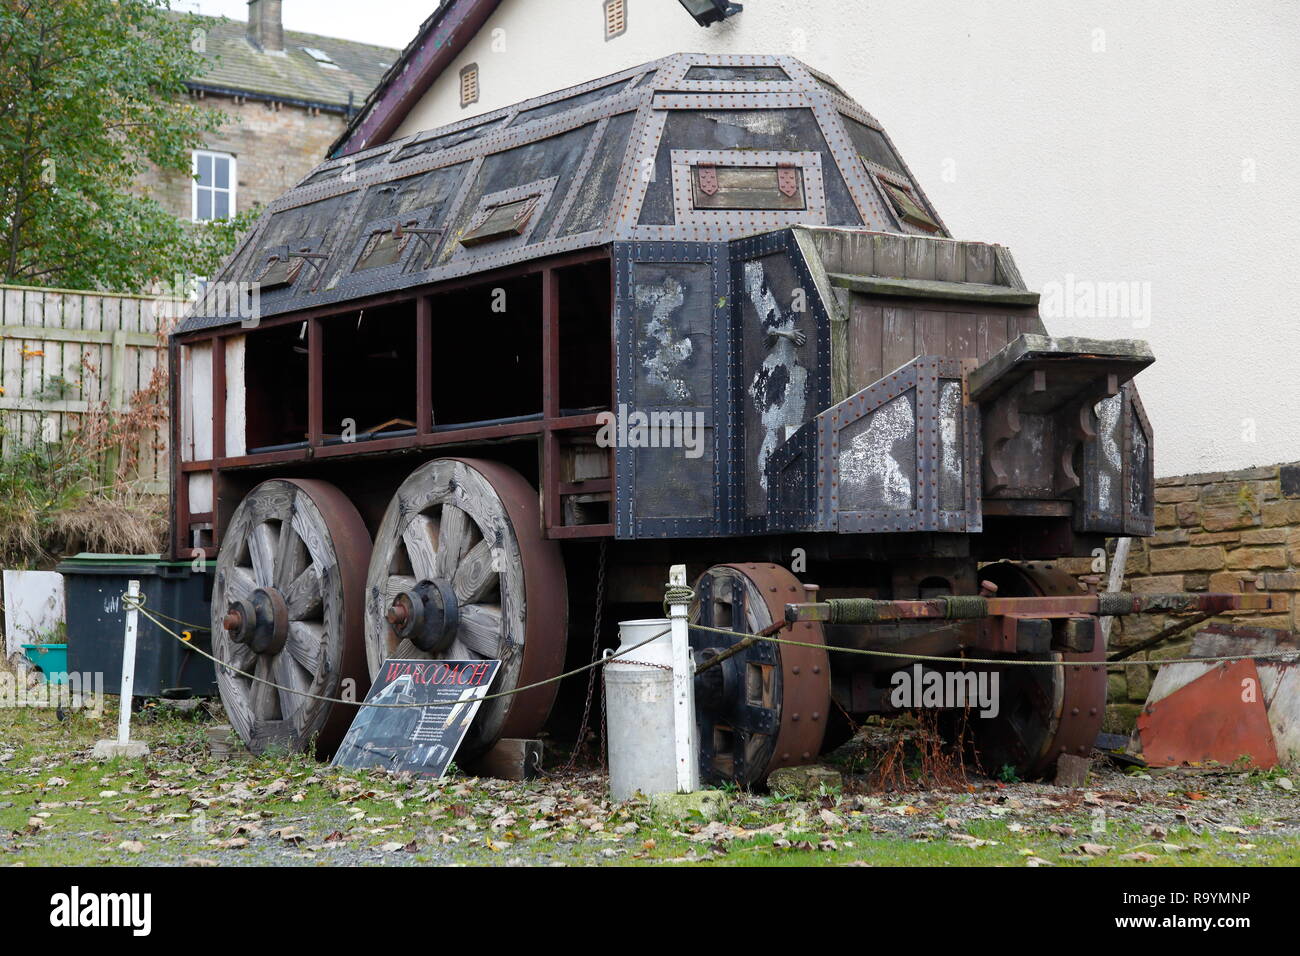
x: 91, y: 91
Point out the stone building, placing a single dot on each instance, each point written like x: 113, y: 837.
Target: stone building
x: 286, y: 97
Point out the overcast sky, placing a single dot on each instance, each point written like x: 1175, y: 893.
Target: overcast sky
x: 389, y: 23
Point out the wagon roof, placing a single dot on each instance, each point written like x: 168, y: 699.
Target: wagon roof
x: 573, y: 169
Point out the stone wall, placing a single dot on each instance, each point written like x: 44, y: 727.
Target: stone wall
x: 275, y: 145
x: 1221, y: 532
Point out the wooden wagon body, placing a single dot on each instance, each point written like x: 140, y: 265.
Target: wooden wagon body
x: 700, y: 311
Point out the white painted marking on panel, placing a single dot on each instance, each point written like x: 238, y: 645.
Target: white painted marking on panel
x: 662, y: 364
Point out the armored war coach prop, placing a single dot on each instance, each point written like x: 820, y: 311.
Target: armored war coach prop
x: 459, y: 392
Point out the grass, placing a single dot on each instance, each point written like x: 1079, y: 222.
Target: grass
x: 182, y: 805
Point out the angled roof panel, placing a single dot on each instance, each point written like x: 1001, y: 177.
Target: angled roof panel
x: 675, y: 149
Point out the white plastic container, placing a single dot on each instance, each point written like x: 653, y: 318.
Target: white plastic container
x: 639, y: 711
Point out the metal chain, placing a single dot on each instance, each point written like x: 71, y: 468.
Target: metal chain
x: 591, y: 678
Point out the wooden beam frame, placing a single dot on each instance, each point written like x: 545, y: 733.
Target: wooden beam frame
x: 546, y: 431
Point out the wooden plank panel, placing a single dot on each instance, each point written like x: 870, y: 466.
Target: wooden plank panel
x: 149, y: 461
x: 73, y: 306
x: 236, y: 431
x: 992, y: 334
x: 130, y: 315
x: 34, y: 308
x: 898, y: 347
x: 962, y: 336
x: 931, y: 333
x: 51, y: 367
x: 979, y: 263
x: 949, y: 262
x: 1027, y: 325
x: 889, y: 253
x: 110, y: 311
x: 865, y: 332
x: 858, y: 253
x: 920, y: 262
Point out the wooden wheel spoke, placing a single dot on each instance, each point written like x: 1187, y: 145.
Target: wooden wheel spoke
x: 408, y: 651
x: 480, y: 629
x: 475, y: 578
x: 421, y: 540
x: 397, y: 583
x: 240, y: 584
x: 262, y: 697
x: 291, y: 555
x: 303, y: 596
x: 305, y: 643
x: 287, y: 673
x: 262, y: 544
x: 241, y: 656
x: 454, y: 531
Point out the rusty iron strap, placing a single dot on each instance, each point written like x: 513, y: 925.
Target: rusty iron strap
x: 965, y: 607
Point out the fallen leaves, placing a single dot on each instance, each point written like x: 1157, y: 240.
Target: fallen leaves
x: 1092, y: 849
x: 965, y: 839
x: 830, y: 819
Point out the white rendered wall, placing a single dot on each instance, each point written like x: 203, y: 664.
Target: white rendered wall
x: 1151, y: 143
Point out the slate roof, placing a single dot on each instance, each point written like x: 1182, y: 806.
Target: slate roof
x: 235, y: 64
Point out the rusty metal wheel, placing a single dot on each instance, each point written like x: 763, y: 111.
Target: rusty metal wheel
x: 460, y: 571
x: 286, y: 607
x: 766, y: 706
x: 1044, y: 712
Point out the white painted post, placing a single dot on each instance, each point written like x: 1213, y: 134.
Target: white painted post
x: 685, y: 733
x: 124, y: 746
x: 128, y: 665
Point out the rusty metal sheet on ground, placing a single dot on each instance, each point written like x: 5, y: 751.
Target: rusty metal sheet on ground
x: 1218, y: 717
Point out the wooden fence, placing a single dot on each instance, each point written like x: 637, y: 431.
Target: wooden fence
x: 65, y: 353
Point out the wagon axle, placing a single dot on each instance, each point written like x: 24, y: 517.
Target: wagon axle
x: 260, y: 621
x: 427, y: 615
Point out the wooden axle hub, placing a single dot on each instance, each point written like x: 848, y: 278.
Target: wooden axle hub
x: 970, y: 607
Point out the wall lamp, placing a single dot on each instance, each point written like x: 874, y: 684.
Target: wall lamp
x: 709, y: 12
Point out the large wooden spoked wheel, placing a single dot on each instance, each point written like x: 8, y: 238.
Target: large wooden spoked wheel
x: 766, y: 706
x: 460, y: 571
x: 286, y: 608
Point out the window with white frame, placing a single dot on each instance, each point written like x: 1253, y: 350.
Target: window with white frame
x: 213, y: 193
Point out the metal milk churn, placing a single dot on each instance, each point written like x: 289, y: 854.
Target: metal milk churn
x: 639, y: 711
